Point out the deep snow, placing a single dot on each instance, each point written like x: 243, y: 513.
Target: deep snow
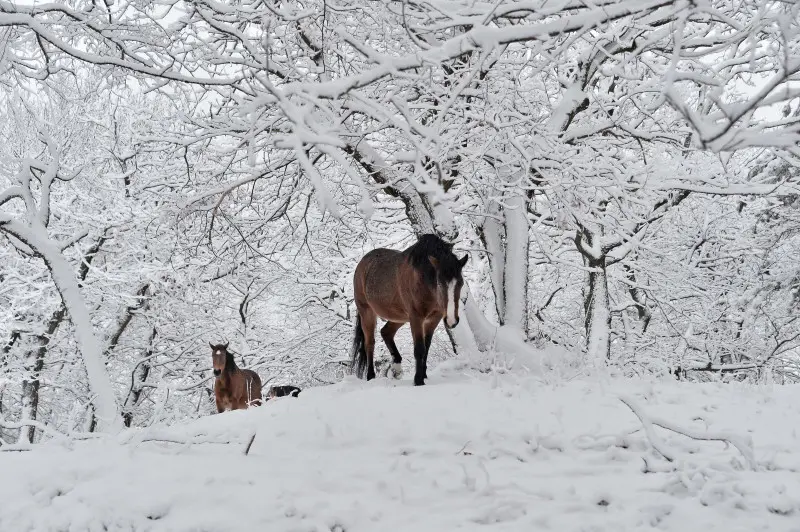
x: 469, y: 451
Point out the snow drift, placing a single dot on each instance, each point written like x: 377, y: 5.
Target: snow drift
x: 470, y: 451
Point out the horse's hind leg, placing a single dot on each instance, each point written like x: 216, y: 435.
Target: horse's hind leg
x: 368, y: 322
x: 387, y: 333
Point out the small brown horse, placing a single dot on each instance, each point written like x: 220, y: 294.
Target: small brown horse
x: 421, y: 285
x: 234, y: 388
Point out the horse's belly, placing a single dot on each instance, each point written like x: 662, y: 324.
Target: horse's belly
x: 390, y: 314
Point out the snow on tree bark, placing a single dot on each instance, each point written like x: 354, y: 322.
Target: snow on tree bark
x: 516, y: 263
x: 491, y: 234
x: 598, y: 313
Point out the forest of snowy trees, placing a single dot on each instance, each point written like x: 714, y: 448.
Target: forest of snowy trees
x: 623, y: 175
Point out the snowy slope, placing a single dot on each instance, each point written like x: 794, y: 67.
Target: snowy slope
x: 467, y: 452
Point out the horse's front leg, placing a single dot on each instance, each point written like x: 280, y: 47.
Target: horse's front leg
x: 220, y: 405
x: 418, y: 334
x: 430, y: 328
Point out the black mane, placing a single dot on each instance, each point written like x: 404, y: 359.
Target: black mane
x: 432, y: 246
x: 230, y: 363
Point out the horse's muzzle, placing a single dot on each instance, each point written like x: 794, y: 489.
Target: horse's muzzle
x: 217, y: 372
x: 447, y: 323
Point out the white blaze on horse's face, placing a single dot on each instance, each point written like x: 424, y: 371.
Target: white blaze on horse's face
x: 451, y: 319
x: 218, y: 356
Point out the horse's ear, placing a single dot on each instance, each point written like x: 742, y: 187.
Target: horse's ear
x: 210, y: 345
x: 433, y: 261
x: 463, y: 261
x: 226, y: 345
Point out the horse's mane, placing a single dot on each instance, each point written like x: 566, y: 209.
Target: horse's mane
x: 432, y: 246
x: 230, y: 363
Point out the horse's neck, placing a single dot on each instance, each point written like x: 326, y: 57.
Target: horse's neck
x: 225, y: 378
x: 230, y: 365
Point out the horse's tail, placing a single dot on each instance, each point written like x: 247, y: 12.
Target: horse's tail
x: 358, y: 353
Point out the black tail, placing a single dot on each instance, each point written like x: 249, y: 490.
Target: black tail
x: 358, y: 353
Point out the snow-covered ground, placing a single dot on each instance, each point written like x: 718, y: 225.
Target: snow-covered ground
x: 468, y: 452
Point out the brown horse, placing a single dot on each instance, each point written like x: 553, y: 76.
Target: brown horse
x: 421, y: 285
x: 234, y: 388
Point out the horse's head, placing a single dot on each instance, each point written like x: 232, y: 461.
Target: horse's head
x: 219, y: 354
x: 449, y: 282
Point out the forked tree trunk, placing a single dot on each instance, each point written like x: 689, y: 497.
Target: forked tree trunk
x: 35, y: 357
x: 36, y: 237
x: 34, y: 363
x: 505, y: 235
x: 475, y: 333
x: 420, y: 214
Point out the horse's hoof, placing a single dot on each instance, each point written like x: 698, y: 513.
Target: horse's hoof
x: 397, y: 371
x: 419, y: 382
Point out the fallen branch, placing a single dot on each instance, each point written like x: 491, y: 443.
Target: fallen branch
x: 648, y: 421
x: 462, y: 448
x: 647, y: 424
x: 25, y: 423
x: 14, y: 449
x: 250, y: 444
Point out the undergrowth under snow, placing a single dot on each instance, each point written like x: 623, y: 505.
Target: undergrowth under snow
x: 470, y: 451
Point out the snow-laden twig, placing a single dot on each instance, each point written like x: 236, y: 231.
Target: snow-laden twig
x: 648, y: 421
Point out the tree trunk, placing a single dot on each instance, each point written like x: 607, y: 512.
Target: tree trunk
x: 598, y: 314
x: 596, y: 303
x: 139, y: 377
x: 516, y: 263
x: 491, y: 233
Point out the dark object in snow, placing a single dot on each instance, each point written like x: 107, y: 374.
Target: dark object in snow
x: 234, y: 388
x: 421, y: 285
x: 282, y: 391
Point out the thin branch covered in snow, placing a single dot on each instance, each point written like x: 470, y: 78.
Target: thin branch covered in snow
x: 742, y: 444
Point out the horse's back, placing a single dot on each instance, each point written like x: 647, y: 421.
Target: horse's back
x: 252, y: 377
x: 379, y: 257
x: 375, y: 272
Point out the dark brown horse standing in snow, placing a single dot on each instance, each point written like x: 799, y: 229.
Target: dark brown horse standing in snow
x: 234, y: 388
x: 420, y: 285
